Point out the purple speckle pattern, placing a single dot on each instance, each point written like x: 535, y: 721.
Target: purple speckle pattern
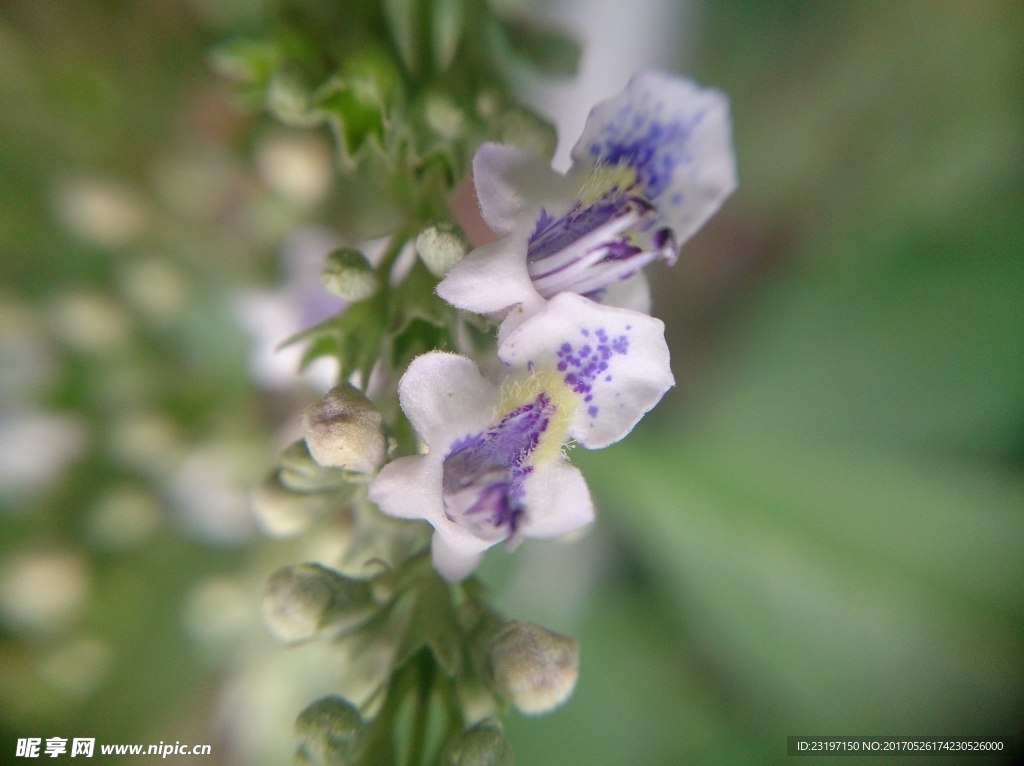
x: 649, y: 136
x: 483, y: 474
x: 588, y: 362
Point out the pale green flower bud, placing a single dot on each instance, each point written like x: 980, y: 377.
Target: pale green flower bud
x: 344, y: 429
x: 330, y: 731
x: 440, y: 247
x: 444, y: 117
x: 299, y: 472
x: 282, y: 512
x: 349, y: 275
x: 529, y: 132
x: 301, y: 601
x: 482, y: 745
x: 535, y: 668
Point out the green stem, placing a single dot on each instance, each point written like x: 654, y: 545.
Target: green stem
x: 425, y: 676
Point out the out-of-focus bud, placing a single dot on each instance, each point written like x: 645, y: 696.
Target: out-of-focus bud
x: 535, y: 668
x: 282, y: 512
x: 344, y: 429
x: 301, y: 601
x: 299, y: 472
x: 444, y: 117
x: 440, y: 247
x: 330, y: 733
x: 529, y: 132
x: 349, y: 275
x: 482, y: 745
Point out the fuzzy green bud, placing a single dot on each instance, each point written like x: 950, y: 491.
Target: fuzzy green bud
x: 349, y: 275
x: 330, y: 732
x: 283, y: 512
x: 529, y: 132
x: 440, y: 247
x: 535, y: 668
x: 444, y: 117
x: 482, y: 745
x: 345, y: 430
x: 301, y: 601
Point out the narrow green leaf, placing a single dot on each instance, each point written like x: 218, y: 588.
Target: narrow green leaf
x: 448, y: 23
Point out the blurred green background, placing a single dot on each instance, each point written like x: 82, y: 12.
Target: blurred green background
x: 819, y: 530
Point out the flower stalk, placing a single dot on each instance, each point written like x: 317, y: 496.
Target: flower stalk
x: 440, y: 456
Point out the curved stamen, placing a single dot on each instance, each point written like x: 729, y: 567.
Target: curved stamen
x: 573, y: 239
x: 603, y: 274
x: 588, y: 249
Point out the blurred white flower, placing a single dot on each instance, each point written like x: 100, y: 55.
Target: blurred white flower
x: 101, y: 211
x: 270, y: 317
x: 35, y: 448
x: 43, y: 591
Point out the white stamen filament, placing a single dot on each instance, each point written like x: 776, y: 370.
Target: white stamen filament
x: 585, y: 246
x: 602, y: 274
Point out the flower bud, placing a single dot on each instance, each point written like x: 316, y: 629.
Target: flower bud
x: 299, y: 472
x: 482, y: 745
x: 344, y: 429
x: 349, y: 275
x: 282, y: 512
x: 444, y: 117
x: 300, y: 601
x: 534, y: 667
x: 440, y: 247
x: 529, y: 132
x: 330, y: 732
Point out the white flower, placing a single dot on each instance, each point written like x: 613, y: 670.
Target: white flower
x: 494, y: 470
x: 653, y: 164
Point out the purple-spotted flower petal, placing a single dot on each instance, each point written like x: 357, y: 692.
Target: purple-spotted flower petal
x: 676, y: 137
x: 615, y: 361
x: 494, y: 470
x: 653, y: 164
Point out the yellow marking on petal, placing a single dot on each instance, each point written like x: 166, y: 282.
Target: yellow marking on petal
x: 523, y: 389
x: 604, y: 179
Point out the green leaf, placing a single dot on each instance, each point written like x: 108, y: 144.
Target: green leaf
x: 355, y: 112
x: 894, y: 583
x: 449, y: 17
x: 246, y: 60
x: 543, y: 48
x: 406, y: 19
x: 353, y: 337
x: 252, y: 63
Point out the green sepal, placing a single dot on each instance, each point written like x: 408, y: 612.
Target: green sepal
x: 418, y: 300
x: 423, y: 322
x: 428, y: 619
